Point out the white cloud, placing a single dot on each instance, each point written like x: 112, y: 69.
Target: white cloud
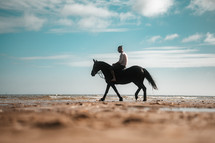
x: 95, y: 17
x: 192, y: 38
x: 69, y: 30
x: 126, y: 16
x: 93, y: 23
x: 210, y: 39
x: 154, y: 39
x: 165, y: 48
x: 86, y: 10
x: 152, y: 8
x: 171, y: 37
x: 84, y: 63
x: 32, y: 22
x: 13, y: 24
x: 10, y: 24
x: 202, y: 6
x: 154, y: 57
x: 34, y: 6
x: 66, y: 16
x: 56, y: 57
x: 65, y: 21
x: 171, y: 57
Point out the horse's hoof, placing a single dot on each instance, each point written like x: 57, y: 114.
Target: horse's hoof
x: 102, y: 99
x: 136, y: 97
x: 121, y: 99
x: 144, y: 100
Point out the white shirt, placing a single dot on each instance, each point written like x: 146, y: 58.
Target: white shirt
x: 123, y: 59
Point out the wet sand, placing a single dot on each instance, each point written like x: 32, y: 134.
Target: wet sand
x: 51, y: 119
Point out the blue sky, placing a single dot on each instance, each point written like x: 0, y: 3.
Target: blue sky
x: 47, y: 46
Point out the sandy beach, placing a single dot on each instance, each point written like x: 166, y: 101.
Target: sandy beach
x: 54, y: 119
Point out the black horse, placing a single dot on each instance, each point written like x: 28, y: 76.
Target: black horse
x: 135, y: 74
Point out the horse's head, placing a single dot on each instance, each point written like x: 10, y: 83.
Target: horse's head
x: 96, y: 68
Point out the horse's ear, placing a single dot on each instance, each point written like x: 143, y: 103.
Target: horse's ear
x: 94, y: 60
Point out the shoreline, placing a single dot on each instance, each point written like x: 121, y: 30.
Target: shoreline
x: 53, y: 94
x: 171, y: 101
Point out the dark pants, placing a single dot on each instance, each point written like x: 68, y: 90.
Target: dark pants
x: 118, y: 67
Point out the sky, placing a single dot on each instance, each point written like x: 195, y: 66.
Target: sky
x: 48, y: 46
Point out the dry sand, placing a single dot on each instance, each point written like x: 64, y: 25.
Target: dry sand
x: 106, y: 122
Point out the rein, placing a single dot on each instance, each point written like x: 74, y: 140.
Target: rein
x: 101, y: 74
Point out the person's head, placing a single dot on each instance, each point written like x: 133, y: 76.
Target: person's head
x: 120, y: 49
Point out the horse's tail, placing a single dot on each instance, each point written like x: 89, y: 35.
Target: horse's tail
x: 150, y: 79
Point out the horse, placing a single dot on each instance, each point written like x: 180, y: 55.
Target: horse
x: 135, y: 74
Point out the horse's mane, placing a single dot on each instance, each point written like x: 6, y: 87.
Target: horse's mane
x: 103, y: 63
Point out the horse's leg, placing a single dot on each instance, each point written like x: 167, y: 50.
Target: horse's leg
x: 144, y: 92
x: 114, y: 88
x: 139, y: 85
x: 106, y: 91
x: 136, y: 93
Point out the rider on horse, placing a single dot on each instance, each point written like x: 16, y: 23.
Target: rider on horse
x: 134, y: 74
x: 121, y: 64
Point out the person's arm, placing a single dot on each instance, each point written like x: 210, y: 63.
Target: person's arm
x: 121, y: 59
